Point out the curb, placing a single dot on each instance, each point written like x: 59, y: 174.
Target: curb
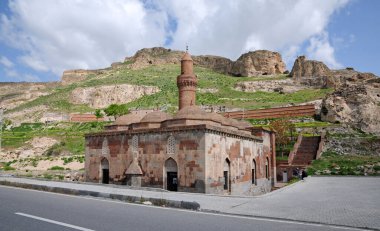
x: 125, y: 198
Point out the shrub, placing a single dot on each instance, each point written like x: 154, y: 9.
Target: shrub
x: 57, y: 168
x: 8, y: 168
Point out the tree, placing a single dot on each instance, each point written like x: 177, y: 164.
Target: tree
x: 98, y: 113
x: 116, y: 110
x: 282, y: 127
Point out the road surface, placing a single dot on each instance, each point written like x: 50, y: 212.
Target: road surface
x: 24, y: 210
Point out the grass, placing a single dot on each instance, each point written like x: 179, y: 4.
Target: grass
x: 57, y: 168
x: 332, y: 163
x: 70, y: 135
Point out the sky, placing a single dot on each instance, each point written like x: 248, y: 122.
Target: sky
x: 39, y: 39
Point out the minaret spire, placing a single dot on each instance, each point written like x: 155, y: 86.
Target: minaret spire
x: 186, y: 82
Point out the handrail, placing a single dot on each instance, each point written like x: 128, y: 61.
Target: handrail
x: 292, y: 154
x: 321, y: 145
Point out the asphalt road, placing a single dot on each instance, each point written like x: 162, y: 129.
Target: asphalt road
x: 25, y: 210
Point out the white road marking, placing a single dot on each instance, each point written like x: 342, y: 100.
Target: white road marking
x: 54, y: 222
x: 306, y: 223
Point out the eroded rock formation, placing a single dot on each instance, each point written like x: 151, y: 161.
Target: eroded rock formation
x: 260, y: 62
x: 357, y: 105
x: 102, y: 96
x: 308, y: 68
x: 254, y: 63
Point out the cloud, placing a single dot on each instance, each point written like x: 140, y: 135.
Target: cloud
x: 11, y: 73
x: 6, y: 62
x: 321, y: 49
x: 54, y: 36
x: 229, y: 28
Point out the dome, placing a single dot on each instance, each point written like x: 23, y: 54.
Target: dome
x: 156, y: 117
x: 191, y: 112
x: 128, y: 119
x: 242, y: 124
x: 218, y: 118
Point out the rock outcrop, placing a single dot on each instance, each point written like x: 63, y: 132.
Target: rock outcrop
x: 15, y: 94
x: 260, y: 62
x: 356, y: 104
x: 308, y: 68
x: 103, y: 96
x: 281, y: 86
x: 316, y: 74
x: 254, y: 63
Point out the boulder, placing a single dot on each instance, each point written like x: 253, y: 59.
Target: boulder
x: 260, y: 62
x: 308, y: 68
x: 356, y: 104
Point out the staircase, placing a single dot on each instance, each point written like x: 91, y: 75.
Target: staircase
x: 306, y: 151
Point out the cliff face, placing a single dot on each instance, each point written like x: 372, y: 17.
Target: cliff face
x: 103, y: 96
x: 254, y: 63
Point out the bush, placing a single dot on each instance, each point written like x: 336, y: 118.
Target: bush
x: 57, y: 168
x: 8, y: 168
x: 48, y: 176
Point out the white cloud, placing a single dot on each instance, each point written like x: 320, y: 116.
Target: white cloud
x: 6, y: 62
x: 321, y: 49
x: 229, y: 28
x: 55, y: 36
x: 11, y: 73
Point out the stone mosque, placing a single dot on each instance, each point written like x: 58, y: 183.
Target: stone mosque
x: 192, y: 151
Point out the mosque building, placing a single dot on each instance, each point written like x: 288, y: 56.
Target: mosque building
x: 192, y: 151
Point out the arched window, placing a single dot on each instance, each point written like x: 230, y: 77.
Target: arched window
x: 267, y: 168
x: 135, y: 143
x: 254, y: 172
x: 170, y: 148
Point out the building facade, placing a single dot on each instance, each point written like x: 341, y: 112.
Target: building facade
x: 192, y: 151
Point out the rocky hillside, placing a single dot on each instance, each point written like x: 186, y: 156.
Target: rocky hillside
x: 255, y: 63
x: 347, y: 101
x: 103, y: 96
x: 147, y: 80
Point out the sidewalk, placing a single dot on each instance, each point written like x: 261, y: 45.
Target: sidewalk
x: 343, y: 201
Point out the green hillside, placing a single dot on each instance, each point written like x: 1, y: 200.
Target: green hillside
x: 164, y: 77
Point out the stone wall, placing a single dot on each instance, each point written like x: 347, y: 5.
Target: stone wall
x: 152, y: 152
x: 239, y: 153
x: 200, y: 156
x: 353, y: 145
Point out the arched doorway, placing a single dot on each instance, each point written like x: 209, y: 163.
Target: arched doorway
x: 105, y: 171
x: 171, y: 173
x: 227, y: 175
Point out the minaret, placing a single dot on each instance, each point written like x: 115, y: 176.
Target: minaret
x: 186, y: 82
